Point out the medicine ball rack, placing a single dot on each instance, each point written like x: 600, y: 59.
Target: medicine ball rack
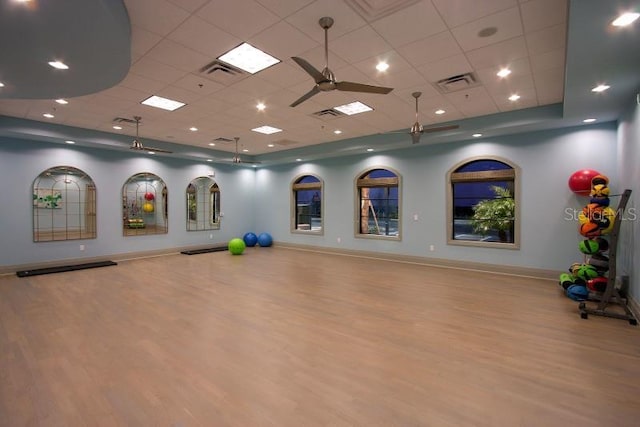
x: 611, y: 293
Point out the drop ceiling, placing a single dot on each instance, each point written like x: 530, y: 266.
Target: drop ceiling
x: 556, y: 50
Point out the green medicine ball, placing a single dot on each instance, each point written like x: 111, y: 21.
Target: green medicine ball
x: 236, y: 246
x: 589, y: 246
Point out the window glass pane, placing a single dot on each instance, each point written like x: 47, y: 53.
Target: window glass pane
x: 483, y: 165
x: 379, y: 206
x: 308, y: 205
x: 483, y: 210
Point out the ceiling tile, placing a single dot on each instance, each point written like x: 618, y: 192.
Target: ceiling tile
x: 506, y: 22
x: 548, y: 60
x: 164, y: 19
x: 176, y: 55
x: 396, y: 64
x: 142, y: 40
x: 345, y: 19
x: 256, y: 87
x: 284, y: 74
x: 503, y: 88
x: 152, y: 69
x: 283, y: 41
x: 452, y: 66
x: 359, y: 44
x: 180, y: 94
x: 473, y: 102
x: 431, y: 49
x: 413, y: 23
x: 527, y: 99
x: 197, y: 84
x: 135, y: 81
x: 204, y: 37
x: 242, y: 18
x: 551, y: 38
x: 127, y: 93
x: 489, y: 78
x: 284, y: 8
x: 538, y: 14
x: 498, y: 55
x: 190, y: 5
x: 458, y: 12
x: 408, y: 78
x: 550, y: 85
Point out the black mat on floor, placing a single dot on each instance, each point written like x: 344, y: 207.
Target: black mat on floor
x: 63, y: 268
x: 204, y: 251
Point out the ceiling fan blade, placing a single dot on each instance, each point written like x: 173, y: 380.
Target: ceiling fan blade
x: 306, y: 96
x: 157, y: 150
x: 359, y: 87
x: 440, y: 129
x: 310, y: 69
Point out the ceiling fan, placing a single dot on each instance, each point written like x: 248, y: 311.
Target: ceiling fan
x: 417, y: 129
x: 136, y: 144
x: 236, y: 157
x: 326, y: 80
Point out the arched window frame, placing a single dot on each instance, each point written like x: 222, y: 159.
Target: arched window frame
x: 484, y: 176
x: 363, y: 181
x: 298, y: 224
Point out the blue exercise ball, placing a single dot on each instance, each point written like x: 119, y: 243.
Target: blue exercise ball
x: 250, y: 239
x: 264, y: 240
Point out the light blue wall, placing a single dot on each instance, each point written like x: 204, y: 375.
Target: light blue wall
x: 629, y: 177
x: 22, y: 161
x: 259, y: 200
x: 546, y: 159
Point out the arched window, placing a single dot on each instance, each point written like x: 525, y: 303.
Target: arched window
x: 203, y: 204
x: 483, y: 203
x: 64, y: 205
x: 378, y: 197
x: 307, y: 204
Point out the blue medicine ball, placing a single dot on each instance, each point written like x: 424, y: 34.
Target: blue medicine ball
x: 264, y: 240
x: 577, y: 292
x: 250, y: 239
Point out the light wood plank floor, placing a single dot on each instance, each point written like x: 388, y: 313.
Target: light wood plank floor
x: 279, y: 337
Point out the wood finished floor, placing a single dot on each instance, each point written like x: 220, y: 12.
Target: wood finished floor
x: 279, y: 337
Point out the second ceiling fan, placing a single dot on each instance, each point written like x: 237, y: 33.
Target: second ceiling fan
x: 417, y: 129
x: 325, y: 81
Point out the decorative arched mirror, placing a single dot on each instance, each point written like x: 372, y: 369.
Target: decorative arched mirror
x: 203, y: 204
x: 144, y: 205
x: 64, y: 205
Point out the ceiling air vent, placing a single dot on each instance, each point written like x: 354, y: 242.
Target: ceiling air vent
x: 458, y: 82
x: 222, y: 72
x: 328, y: 114
x: 374, y: 10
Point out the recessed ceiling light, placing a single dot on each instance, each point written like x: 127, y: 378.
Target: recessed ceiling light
x: 151, y: 152
x: 514, y: 97
x: 600, y: 88
x: 261, y: 106
x: 1, y: 84
x: 353, y: 108
x: 267, y: 130
x: 254, y: 166
x: 193, y: 129
x: 337, y: 131
x: 62, y: 101
x: 48, y: 115
x: 212, y: 144
x: 70, y: 142
x: 244, y: 150
x: 163, y: 103
x: 116, y: 127
x: 248, y: 58
x: 209, y: 160
x: 625, y: 19
x: 440, y: 111
x: 59, y: 65
x: 298, y: 160
x: 369, y: 149
x: 503, y: 72
x: 382, y: 66
x: 589, y: 120
x: 476, y: 135
x: 270, y: 145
